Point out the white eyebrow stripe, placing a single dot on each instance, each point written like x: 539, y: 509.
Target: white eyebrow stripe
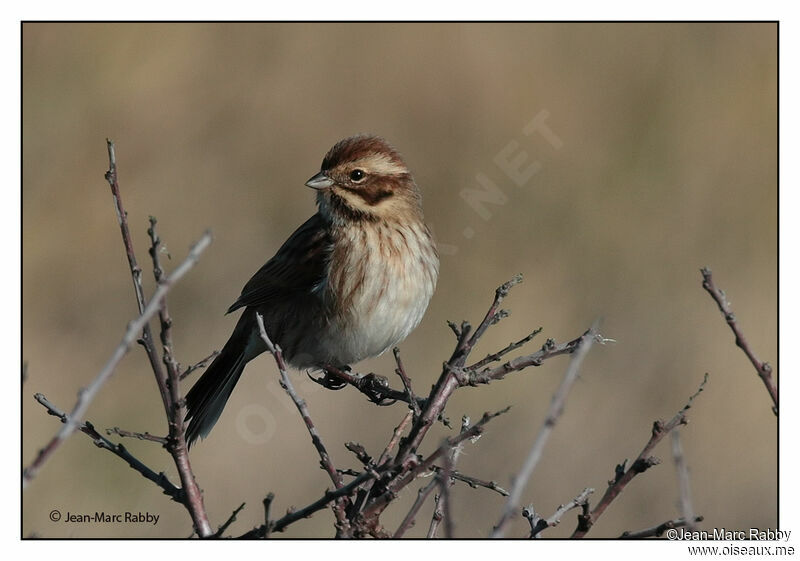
x: 380, y: 164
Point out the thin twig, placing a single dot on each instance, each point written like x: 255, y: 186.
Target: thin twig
x: 401, y: 371
x: 409, y: 519
x: 436, y: 517
x: 136, y: 275
x: 395, y: 438
x: 173, y: 371
x: 548, y: 350
x: 642, y: 463
x: 444, y: 493
x: 763, y: 369
x: 380, y: 502
x: 553, y: 413
x: 119, y: 450
x: 381, y: 463
x: 138, y: 435
x: 494, y: 357
x: 474, y: 482
x: 86, y: 395
x: 495, y: 314
x: 536, y: 522
x: 658, y: 531
x: 193, y: 499
x: 267, y: 505
x: 454, y: 328
x: 286, y: 384
x: 202, y: 364
x: 176, y: 407
x: 305, y: 512
x: 449, y: 381
x: 580, y: 501
x: 231, y: 519
x: 444, y: 476
x: 359, y: 451
x: 683, y: 480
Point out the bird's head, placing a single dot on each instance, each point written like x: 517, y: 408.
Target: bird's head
x: 364, y: 178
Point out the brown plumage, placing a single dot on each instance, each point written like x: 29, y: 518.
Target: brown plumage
x: 350, y: 283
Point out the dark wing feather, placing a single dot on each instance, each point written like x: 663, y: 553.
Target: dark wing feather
x: 298, y: 266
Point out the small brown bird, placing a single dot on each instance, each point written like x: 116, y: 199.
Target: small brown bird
x: 350, y: 283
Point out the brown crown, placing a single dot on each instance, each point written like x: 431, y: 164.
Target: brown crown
x: 356, y: 147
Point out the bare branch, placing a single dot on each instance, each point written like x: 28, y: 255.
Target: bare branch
x: 451, y: 377
x: 548, y: 350
x: 136, y: 275
x: 395, y: 438
x: 642, y: 463
x: 231, y: 519
x: 85, y: 396
x: 553, y: 413
x: 191, y: 497
x: 138, y: 435
x: 474, y: 482
x: 540, y: 524
x: 286, y: 384
x: 436, y: 518
x: 401, y: 371
x: 579, y: 501
x: 267, y: 505
x: 175, y: 409
x: 201, y: 364
x: 119, y: 450
x: 444, y: 493
x: 763, y: 369
x: 658, y: 531
x: 495, y: 314
x: 536, y: 522
x: 305, y: 512
x: 379, y: 503
x: 408, y: 520
x: 683, y: 480
x: 494, y: 357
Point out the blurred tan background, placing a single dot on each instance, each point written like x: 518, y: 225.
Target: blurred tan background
x: 667, y: 162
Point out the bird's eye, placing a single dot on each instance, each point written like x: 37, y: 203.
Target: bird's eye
x: 357, y: 175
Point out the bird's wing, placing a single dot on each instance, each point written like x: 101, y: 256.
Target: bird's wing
x: 298, y: 266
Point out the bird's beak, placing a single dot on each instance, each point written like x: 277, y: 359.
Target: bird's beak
x: 320, y: 181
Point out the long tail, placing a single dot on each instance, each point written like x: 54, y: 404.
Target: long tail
x: 207, y: 398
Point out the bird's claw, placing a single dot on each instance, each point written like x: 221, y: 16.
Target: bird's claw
x: 372, y: 385
x: 328, y: 381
